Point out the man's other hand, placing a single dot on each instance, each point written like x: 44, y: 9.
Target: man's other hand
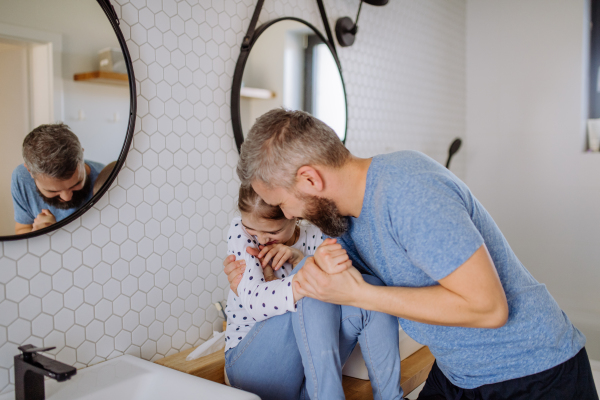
x: 340, y: 288
x: 331, y: 257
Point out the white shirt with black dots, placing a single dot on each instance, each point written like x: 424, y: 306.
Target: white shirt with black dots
x: 259, y: 300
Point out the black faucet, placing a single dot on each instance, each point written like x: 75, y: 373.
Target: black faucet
x: 30, y: 369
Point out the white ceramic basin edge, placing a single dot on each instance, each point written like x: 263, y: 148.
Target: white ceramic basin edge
x: 131, y: 378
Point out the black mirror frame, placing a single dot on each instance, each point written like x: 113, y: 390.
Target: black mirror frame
x: 111, y: 14
x: 249, y: 41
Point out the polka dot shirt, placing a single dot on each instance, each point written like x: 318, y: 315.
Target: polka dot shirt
x: 258, y: 299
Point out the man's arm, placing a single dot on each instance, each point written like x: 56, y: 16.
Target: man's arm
x: 22, y: 228
x: 471, y: 296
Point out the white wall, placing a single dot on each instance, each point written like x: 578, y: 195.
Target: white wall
x: 525, y: 139
x: 138, y: 272
x: 15, y: 120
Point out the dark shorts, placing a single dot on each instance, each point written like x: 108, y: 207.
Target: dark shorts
x: 571, y: 380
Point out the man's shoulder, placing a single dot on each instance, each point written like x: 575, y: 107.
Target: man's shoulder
x: 21, y: 178
x: 409, y: 162
x: 95, y: 166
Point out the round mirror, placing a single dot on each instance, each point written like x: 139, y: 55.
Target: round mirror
x: 288, y: 64
x: 67, y: 107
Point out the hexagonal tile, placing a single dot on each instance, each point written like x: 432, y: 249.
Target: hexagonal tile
x: 51, y: 262
x: 30, y: 307
x: 94, y: 331
x: 40, y: 285
x: 17, y: 289
x: 84, y: 314
x: 64, y: 319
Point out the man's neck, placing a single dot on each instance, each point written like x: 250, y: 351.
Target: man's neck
x: 349, y: 185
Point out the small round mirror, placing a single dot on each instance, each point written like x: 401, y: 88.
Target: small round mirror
x: 288, y: 64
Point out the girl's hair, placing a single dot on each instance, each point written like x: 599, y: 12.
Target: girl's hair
x: 250, y: 202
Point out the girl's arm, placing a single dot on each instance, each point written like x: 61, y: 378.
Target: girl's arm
x: 261, y: 299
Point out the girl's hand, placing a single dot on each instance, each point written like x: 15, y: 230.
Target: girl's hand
x: 331, y: 257
x: 277, y: 254
x: 234, y: 270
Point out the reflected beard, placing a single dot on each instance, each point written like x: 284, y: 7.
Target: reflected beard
x: 79, y: 197
x: 325, y: 214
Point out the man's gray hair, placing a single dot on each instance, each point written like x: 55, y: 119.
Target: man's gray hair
x: 281, y: 141
x: 52, y: 150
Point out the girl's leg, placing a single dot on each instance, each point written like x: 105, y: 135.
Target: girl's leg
x: 377, y: 334
x: 317, y: 328
x: 326, y: 335
x: 267, y: 362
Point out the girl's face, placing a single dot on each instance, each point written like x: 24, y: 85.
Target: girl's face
x: 269, y: 231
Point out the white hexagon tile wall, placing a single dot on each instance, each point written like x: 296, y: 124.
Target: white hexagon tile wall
x: 139, y: 272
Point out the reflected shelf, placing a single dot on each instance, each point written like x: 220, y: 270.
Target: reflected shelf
x: 256, y: 93
x: 104, y: 77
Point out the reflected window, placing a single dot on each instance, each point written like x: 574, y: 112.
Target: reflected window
x: 328, y: 102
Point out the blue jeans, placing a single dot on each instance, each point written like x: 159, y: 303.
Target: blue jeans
x: 326, y: 335
x: 300, y: 355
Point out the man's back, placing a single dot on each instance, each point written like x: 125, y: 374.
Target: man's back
x: 418, y: 224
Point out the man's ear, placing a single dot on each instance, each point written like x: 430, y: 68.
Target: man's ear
x: 309, y: 180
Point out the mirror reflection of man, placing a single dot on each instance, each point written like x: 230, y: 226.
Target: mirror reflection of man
x: 54, y: 180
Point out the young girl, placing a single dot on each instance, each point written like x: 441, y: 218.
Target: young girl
x: 269, y: 351
x: 286, y: 242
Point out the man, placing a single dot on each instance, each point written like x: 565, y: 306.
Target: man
x: 54, y: 180
x: 452, y: 279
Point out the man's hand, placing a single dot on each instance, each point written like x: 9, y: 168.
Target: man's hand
x: 277, y: 254
x: 340, y: 288
x: 43, y: 220
x: 331, y: 257
x: 234, y: 270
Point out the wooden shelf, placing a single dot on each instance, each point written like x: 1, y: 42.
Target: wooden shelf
x: 104, y: 77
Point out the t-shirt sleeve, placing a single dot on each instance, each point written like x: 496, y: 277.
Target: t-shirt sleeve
x: 431, y: 221
x: 260, y: 299
x: 22, y: 211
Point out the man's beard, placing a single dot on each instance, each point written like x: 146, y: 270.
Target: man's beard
x: 78, y: 199
x: 325, y: 215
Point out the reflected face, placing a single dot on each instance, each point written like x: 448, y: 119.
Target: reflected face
x: 320, y: 211
x: 65, y: 194
x: 269, y: 231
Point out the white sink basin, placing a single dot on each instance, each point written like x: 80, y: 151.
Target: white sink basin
x: 131, y: 378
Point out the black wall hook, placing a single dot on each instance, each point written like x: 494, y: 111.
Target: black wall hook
x: 345, y: 29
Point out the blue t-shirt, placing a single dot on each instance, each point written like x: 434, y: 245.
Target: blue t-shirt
x: 418, y: 224
x: 28, y: 203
